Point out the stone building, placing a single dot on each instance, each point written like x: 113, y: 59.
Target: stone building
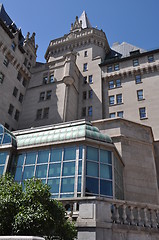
x: 85, y: 122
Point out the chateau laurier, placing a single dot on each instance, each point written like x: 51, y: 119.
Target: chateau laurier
x: 86, y: 123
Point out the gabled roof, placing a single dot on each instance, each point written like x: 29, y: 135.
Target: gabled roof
x: 85, y: 20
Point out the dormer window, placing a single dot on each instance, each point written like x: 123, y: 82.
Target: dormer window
x: 85, y: 54
x: 85, y: 67
x: 13, y: 46
x: 51, y: 79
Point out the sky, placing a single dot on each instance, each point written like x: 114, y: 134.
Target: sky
x: 133, y: 21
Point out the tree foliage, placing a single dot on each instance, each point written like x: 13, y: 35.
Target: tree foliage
x: 32, y: 211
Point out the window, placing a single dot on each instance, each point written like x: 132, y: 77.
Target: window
x: 1, y: 77
x: 42, y: 96
x: 24, y: 82
x: 85, y: 54
x: 13, y: 46
x: 142, y: 112
x: 46, y: 113
x: 138, y: 79
x: 90, y: 94
x: 21, y: 98
x: 116, y: 67
x: 29, y: 65
x: 111, y: 100
x: 15, y: 92
x: 111, y: 84
x: 109, y: 69
x: 135, y: 62
x: 19, y: 76
x: 10, y: 110
x: 85, y: 67
x: 48, y: 95
x: 6, y: 61
x: 17, y: 113
x: 90, y: 79
x: 85, y: 80
x: 140, y: 95
x: 39, y: 114
x: 120, y: 114
x: 51, y: 79
x: 118, y: 83
x: 119, y: 98
x: 112, y: 115
x: 83, y: 111
x: 84, y: 95
x: 90, y: 111
x: 25, y: 61
x: 150, y: 58
x: 45, y: 80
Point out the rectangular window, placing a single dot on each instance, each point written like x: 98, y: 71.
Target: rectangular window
x: 17, y: 113
x: 90, y: 79
x: 112, y: 115
x: 42, y: 96
x: 24, y: 82
x: 116, y: 67
x: 109, y: 69
x: 138, y: 79
x: 119, y: 98
x: 120, y: 114
x: 6, y: 61
x: 25, y: 61
x: 48, y: 95
x: 90, y: 111
x: 45, y: 80
x: 150, y: 58
x: 85, y: 67
x: 39, y: 114
x: 19, y: 76
x: 15, y: 92
x: 1, y: 77
x: 10, y: 110
x: 85, y: 54
x: 140, y: 95
x: 85, y: 80
x: 111, y: 100
x: 111, y: 84
x: 135, y: 62
x: 118, y: 83
x: 90, y: 94
x: 84, y: 95
x: 142, y: 112
x: 21, y: 98
x: 83, y: 111
x: 46, y: 113
x: 13, y: 46
x: 51, y: 79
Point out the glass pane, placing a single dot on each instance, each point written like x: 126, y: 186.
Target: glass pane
x: 69, y: 154
x: 68, y: 169
x: 28, y: 172
x: 54, y: 170
x: 80, y: 152
x: 105, y: 156
x: 106, y: 188
x: 30, y: 158
x: 105, y: 171
x: 20, y: 159
x: 1, y: 136
x: 3, y: 156
x: 54, y: 184
x: 41, y: 171
x: 1, y: 129
x: 80, y: 167
x: 18, y: 174
x: 79, y: 185
x: 6, y: 139
x: 92, y: 154
x: 67, y: 185
x: 92, y: 169
x: 43, y: 156
x: 1, y: 170
x: 56, y: 155
x: 92, y: 185
x: 66, y: 195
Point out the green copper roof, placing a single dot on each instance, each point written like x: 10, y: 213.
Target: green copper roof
x: 60, y: 133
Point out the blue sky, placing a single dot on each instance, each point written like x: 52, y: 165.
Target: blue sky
x: 133, y: 21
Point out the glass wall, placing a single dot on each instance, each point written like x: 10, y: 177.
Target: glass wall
x: 60, y: 168
x: 3, y: 158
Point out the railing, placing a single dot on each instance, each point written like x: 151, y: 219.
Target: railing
x: 113, y: 211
